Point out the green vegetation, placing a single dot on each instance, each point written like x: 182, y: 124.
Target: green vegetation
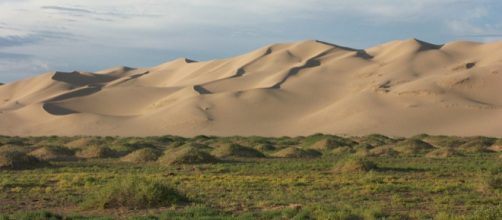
x: 295, y: 152
x: 134, y: 193
x: 142, y: 155
x: 206, y: 177
x: 53, y: 153
x: 236, y: 150
x: 95, y: 152
x: 186, y: 155
x: 354, y: 164
x: 18, y: 160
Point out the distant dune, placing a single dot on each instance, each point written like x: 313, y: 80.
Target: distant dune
x: 398, y: 88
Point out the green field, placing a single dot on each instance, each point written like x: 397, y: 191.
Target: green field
x: 314, y: 177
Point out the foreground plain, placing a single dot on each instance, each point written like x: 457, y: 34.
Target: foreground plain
x: 314, y: 177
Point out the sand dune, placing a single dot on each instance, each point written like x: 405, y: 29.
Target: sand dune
x: 397, y: 88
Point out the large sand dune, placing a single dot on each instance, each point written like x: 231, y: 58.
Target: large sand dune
x: 398, y: 88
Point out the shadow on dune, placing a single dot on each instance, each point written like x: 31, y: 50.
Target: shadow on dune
x: 54, y: 109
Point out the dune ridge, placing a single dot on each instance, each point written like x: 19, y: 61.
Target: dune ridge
x: 403, y: 87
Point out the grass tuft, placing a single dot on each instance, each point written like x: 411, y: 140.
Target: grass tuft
x: 133, y: 193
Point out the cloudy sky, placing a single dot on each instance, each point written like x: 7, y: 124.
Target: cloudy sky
x: 46, y: 35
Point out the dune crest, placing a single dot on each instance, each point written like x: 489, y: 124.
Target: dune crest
x: 403, y: 87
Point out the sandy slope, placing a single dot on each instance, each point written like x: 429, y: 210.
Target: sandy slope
x: 398, y: 88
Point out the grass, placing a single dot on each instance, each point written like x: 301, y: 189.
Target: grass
x: 354, y: 164
x: 52, y: 153
x: 186, y: 155
x: 95, y: 151
x: 236, y: 150
x: 142, y: 155
x: 134, y: 193
x: 295, y: 152
x: 16, y: 160
x: 400, y: 187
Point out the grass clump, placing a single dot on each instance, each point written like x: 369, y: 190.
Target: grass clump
x: 477, y: 145
x: 412, y: 147
x: 382, y: 151
x: 342, y: 150
x: 53, y: 153
x: 236, y: 150
x: 133, y: 193
x: 82, y: 142
x: 295, y: 152
x: 142, y: 156
x: 354, y: 164
x: 331, y: 142
x: 375, y: 140
x: 265, y: 147
x: 95, y: 152
x: 16, y: 160
x: 186, y: 155
x: 443, y: 153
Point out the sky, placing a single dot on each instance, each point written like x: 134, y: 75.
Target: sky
x: 38, y: 36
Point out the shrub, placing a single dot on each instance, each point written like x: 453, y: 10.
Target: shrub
x: 12, y: 147
x: 444, y: 141
x: 265, y: 147
x: 375, y: 140
x: 354, y: 164
x: 133, y: 193
x: 142, y: 155
x: 18, y: 160
x: 382, y: 151
x: 295, y: 152
x: 342, y: 150
x: 53, y: 153
x: 236, y: 150
x: 477, y: 145
x: 331, y: 143
x: 443, y: 153
x: 95, y: 152
x: 186, y: 155
x: 82, y: 143
x: 412, y: 146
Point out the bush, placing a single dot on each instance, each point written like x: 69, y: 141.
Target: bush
x: 265, y: 147
x: 331, y: 143
x: 444, y: 141
x: 186, y: 155
x: 134, y: 193
x: 18, y: 160
x: 295, y: 152
x: 412, y: 146
x: 342, y: 150
x: 354, y: 164
x: 142, y: 156
x: 53, y: 153
x: 95, y: 152
x: 236, y: 150
x: 477, y: 145
x: 443, y: 153
x: 83, y: 143
x: 382, y: 151
x: 375, y: 140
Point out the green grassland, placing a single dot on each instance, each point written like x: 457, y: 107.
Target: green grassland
x: 314, y: 177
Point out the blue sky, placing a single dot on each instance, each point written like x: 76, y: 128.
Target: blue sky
x: 37, y: 36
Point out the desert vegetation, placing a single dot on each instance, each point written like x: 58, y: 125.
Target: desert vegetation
x: 205, y: 177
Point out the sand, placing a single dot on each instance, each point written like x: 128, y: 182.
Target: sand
x: 400, y: 88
